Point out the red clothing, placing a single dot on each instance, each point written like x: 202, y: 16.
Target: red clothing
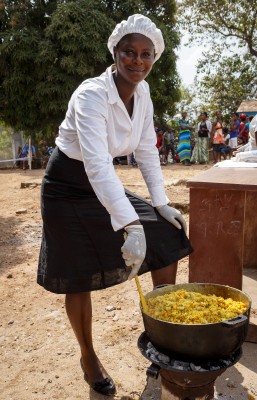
x: 159, y: 141
x: 243, y: 132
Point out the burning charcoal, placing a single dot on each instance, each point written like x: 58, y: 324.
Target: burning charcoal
x: 154, y: 358
x: 195, y: 367
x: 163, y: 358
x: 214, y: 367
x: 206, y: 366
x: 171, y: 363
x: 180, y: 365
x: 155, y: 352
x: 226, y: 363
x: 148, y: 352
x: 149, y: 346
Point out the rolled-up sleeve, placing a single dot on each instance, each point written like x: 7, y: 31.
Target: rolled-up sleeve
x: 90, y: 116
x: 147, y: 158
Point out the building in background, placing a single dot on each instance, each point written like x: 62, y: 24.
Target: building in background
x: 248, y: 107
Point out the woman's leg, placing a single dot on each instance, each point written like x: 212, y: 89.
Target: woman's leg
x: 79, y: 311
x: 165, y: 275
x: 215, y: 156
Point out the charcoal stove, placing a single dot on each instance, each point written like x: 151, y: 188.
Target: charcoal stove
x: 184, y: 379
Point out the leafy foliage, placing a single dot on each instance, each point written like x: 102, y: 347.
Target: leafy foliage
x: 228, y: 29
x: 5, y: 142
x: 216, y: 20
x: 48, y: 47
x: 233, y: 80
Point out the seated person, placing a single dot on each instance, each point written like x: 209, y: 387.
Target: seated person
x: 176, y: 157
x: 25, y: 154
x: 240, y: 141
x: 225, y: 150
x: 45, y: 152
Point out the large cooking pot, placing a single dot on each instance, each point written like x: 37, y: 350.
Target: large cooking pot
x: 200, y: 341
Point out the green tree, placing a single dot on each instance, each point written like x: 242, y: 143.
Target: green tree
x: 228, y: 29
x: 233, y: 80
x: 216, y: 21
x: 46, y: 50
x: 48, y: 47
x: 5, y: 142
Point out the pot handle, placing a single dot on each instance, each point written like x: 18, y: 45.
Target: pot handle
x: 235, y: 322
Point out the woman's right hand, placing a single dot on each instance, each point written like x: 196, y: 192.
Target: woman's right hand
x: 134, y: 248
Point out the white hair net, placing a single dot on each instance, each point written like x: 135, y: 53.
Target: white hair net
x: 137, y: 23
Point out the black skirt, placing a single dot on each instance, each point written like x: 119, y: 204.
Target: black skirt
x: 80, y: 251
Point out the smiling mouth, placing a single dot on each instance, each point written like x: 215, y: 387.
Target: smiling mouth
x: 136, y: 70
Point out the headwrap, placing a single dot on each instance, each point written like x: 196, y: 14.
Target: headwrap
x: 137, y: 23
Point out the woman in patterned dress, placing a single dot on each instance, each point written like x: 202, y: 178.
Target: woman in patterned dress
x: 184, y: 144
x: 201, y: 149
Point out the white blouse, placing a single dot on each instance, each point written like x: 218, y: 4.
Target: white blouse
x: 253, y: 129
x: 97, y: 128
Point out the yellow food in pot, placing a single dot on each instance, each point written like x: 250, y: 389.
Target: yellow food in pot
x: 184, y: 307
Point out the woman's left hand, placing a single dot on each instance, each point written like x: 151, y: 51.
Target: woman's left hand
x: 172, y: 215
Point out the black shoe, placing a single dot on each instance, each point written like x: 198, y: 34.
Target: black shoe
x: 105, y: 386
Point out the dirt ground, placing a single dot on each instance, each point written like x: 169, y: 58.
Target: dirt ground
x: 39, y: 356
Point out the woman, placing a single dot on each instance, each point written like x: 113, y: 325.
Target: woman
x: 184, y: 144
x: 251, y: 145
x: 217, y: 137
x: 85, y: 208
x: 243, y: 128
x: 201, y: 149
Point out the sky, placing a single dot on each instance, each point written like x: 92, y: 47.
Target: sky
x: 186, y: 63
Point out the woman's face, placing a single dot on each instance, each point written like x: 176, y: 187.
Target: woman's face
x: 134, y: 58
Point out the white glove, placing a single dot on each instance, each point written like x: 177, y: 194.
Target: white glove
x: 134, y: 248
x: 173, y: 216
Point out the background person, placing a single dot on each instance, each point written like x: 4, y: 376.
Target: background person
x: 226, y: 149
x: 168, y: 140
x: 235, y: 120
x: 243, y: 130
x: 25, y: 153
x: 85, y: 208
x: 201, y: 149
x: 160, y: 145
x: 217, y: 137
x: 45, y: 151
x: 233, y: 135
x: 252, y: 143
x: 240, y: 143
x: 184, y: 144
